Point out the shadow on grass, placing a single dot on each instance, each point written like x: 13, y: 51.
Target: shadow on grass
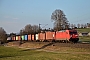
x: 84, y: 42
x: 5, y: 56
x: 40, y: 47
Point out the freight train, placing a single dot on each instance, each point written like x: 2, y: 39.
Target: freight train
x: 60, y: 36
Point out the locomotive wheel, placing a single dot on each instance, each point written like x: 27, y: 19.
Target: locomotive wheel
x: 53, y: 41
x: 73, y: 40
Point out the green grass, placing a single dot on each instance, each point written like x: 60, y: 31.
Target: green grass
x: 83, y: 30
x: 9, y: 53
x: 84, y: 38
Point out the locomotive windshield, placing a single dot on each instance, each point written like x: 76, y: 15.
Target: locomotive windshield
x: 73, y: 32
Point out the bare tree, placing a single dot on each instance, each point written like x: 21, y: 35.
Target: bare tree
x: 85, y: 25
x: 88, y: 24
x: 60, y: 21
x: 78, y: 25
x: 3, y: 37
x: 28, y: 29
x: 35, y: 28
x: 22, y: 31
x: 72, y: 25
x: 82, y: 25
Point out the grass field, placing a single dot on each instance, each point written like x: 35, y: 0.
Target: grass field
x: 84, y: 38
x: 83, y: 30
x: 11, y: 53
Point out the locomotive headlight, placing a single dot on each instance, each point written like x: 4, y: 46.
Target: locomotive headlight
x: 76, y: 35
x: 71, y: 36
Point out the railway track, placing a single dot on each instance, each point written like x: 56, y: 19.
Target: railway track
x: 46, y: 44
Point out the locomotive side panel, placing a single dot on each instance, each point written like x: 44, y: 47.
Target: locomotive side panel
x: 59, y: 36
x: 62, y: 35
x: 67, y: 35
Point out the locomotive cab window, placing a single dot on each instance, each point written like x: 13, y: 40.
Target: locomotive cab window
x: 73, y: 32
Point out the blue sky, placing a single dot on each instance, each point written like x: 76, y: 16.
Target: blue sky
x: 15, y: 14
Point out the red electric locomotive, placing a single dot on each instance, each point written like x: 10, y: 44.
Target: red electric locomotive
x: 67, y: 35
